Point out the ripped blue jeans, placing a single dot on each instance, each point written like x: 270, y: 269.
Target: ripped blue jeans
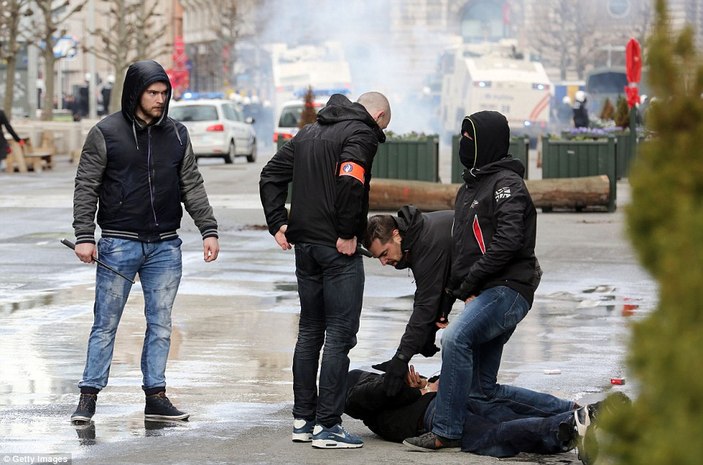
x: 159, y: 267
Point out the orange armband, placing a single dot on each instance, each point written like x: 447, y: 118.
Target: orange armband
x: 356, y: 171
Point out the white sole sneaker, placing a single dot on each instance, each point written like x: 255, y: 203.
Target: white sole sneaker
x: 332, y: 444
x: 301, y: 437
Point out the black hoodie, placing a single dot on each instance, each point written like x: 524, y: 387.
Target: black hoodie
x: 495, y: 221
x: 427, y: 248
x: 329, y: 163
x: 136, y: 175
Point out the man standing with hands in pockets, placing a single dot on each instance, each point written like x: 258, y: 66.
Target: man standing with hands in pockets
x: 329, y: 164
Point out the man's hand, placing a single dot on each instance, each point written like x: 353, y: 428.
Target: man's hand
x: 381, y: 366
x: 463, y: 292
x: 211, y: 249
x: 346, y: 246
x: 395, y: 375
x: 86, y: 252
x: 281, y: 239
x: 414, y: 379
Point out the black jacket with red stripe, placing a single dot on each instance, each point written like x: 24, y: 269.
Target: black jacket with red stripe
x: 495, y: 221
x: 329, y: 163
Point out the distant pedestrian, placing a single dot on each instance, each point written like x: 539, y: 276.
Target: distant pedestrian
x: 329, y: 164
x: 4, y: 146
x: 581, y: 119
x: 136, y: 168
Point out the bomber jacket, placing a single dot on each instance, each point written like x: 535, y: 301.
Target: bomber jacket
x: 495, y: 221
x: 329, y: 163
x: 136, y: 175
x: 427, y: 248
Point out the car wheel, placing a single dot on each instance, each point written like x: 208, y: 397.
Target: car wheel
x: 251, y: 158
x: 229, y: 157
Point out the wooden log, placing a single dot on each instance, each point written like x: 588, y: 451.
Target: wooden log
x: 577, y: 193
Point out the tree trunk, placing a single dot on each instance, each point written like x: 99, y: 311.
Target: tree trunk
x: 47, y: 112
x: 9, y: 84
x: 577, y: 193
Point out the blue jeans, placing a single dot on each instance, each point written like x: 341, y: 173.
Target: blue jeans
x: 472, y: 346
x: 159, y: 267
x: 510, y: 435
x: 331, y: 287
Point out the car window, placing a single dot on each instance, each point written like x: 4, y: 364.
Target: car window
x: 194, y: 113
x: 231, y: 112
x: 227, y: 111
x: 290, y: 116
x: 238, y: 113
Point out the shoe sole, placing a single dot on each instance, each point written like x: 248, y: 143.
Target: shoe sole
x: 152, y: 417
x: 301, y: 437
x: 332, y: 444
x: 414, y: 448
x: 80, y: 420
x: 81, y: 424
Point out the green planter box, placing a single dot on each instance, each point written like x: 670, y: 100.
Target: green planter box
x: 415, y: 160
x: 519, y: 149
x: 625, y: 150
x: 626, y: 153
x: 579, y: 158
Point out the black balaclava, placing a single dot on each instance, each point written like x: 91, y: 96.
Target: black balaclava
x: 491, y: 139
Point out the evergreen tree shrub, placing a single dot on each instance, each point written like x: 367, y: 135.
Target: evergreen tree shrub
x: 622, y: 113
x: 309, y: 114
x: 664, y: 424
x: 608, y: 111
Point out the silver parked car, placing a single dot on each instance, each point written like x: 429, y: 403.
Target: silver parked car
x: 217, y: 128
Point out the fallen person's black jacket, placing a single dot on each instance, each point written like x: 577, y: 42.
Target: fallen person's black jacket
x: 394, y: 418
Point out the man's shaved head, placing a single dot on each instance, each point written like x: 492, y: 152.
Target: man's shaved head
x: 378, y: 107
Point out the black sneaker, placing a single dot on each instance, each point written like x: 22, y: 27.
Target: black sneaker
x: 430, y: 442
x: 86, y: 408
x: 159, y: 408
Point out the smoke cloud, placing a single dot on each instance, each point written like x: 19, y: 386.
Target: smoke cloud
x: 396, y: 64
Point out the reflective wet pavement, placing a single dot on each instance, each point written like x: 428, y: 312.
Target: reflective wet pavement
x: 234, y: 330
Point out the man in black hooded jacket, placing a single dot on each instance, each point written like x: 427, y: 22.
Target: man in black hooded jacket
x: 423, y: 243
x: 494, y: 271
x: 329, y: 164
x: 136, y: 168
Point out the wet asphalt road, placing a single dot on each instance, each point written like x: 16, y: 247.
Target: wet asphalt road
x: 234, y: 330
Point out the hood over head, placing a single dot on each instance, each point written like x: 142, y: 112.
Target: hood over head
x: 489, y: 142
x: 340, y: 108
x: 410, y: 222
x: 141, y: 75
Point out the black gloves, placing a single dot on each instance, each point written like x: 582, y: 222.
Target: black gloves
x: 381, y: 366
x: 396, y: 369
x: 462, y: 292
